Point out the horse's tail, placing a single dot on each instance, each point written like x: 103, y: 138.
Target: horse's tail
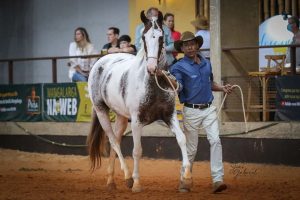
x: 95, y: 142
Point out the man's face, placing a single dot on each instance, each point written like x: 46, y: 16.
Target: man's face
x: 190, y: 48
x: 111, y: 37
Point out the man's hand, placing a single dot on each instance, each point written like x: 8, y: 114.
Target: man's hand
x: 159, y: 72
x: 167, y: 76
x: 227, y: 88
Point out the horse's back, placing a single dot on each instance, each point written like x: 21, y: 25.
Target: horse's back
x: 108, y: 79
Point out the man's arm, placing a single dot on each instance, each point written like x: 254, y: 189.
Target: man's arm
x: 218, y: 88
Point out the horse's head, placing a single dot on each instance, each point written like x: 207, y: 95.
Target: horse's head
x: 153, y: 40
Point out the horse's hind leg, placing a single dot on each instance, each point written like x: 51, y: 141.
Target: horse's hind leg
x: 186, y: 175
x: 106, y: 125
x: 120, y: 127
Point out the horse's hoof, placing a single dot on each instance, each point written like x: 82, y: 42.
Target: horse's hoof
x: 136, y: 189
x: 187, y: 183
x: 129, y: 182
x: 111, y: 186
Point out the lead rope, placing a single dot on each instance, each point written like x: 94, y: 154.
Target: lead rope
x: 243, y: 106
x: 224, y: 98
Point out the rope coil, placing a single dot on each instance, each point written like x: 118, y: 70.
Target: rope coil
x: 167, y: 74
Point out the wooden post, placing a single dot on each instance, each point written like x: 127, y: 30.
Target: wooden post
x: 287, y: 6
x: 260, y: 11
x: 215, y: 46
x: 294, y: 8
x: 264, y: 98
x: 206, y: 9
x: 54, y: 70
x: 201, y: 7
x: 293, y: 60
x: 272, y: 7
x: 266, y: 9
x: 298, y: 5
x: 10, y: 72
x: 280, y: 6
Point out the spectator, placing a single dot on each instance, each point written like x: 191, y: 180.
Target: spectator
x: 202, y: 26
x: 79, y: 68
x: 195, y: 78
x: 125, y: 46
x: 168, y: 41
x: 170, y: 23
x: 293, y: 26
x: 112, y: 36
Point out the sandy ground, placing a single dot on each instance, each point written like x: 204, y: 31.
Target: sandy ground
x: 48, y: 176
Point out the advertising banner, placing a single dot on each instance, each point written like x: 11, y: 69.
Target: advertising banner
x: 66, y: 102
x: 288, y: 98
x: 21, y: 102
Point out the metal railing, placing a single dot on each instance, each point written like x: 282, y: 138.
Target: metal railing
x: 227, y: 50
x: 54, y: 59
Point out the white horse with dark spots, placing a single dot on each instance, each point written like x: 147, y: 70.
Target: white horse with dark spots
x: 125, y: 84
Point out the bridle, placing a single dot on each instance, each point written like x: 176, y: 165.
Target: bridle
x: 161, y: 58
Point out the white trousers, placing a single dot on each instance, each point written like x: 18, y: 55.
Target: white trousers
x: 193, y: 120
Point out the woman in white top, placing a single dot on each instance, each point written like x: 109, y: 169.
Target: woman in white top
x: 80, y: 67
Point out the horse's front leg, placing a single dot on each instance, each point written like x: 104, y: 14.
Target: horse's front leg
x: 186, y: 175
x: 120, y: 127
x: 136, y: 154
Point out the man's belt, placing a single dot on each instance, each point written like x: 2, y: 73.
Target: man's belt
x: 197, y: 106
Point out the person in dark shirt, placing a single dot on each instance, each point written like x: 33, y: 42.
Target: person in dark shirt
x: 112, y: 36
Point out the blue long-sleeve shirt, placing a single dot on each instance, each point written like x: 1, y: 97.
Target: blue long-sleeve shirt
x: 195, y: 80
x: 169, y: 42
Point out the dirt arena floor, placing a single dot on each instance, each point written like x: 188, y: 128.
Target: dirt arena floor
x: 47, y: 176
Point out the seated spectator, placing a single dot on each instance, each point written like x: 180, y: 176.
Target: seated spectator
x: 79, y: 68
x: 169, y: 43
x: 170, y: 23
x: 112, y: 36
x: 125, y: 46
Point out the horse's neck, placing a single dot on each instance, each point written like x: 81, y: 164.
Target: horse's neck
x: 162, y: 62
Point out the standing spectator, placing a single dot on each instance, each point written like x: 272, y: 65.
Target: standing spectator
x: 293, y: 26
x: 202, y: 26
x: 112, y: 37
x: 168, y: 41
x: 125, y: 46
x: 170, y: 23
x: 79, y: 68
x: 195, y: 78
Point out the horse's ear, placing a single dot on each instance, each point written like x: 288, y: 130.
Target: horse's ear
x: 143, y: 17
x: 160, y: 17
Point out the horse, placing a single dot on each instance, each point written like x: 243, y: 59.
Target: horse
x: 125, y: 83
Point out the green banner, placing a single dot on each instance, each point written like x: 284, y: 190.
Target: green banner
x: 21, y: 102
x: 66, y: 102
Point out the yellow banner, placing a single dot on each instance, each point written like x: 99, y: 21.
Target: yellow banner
x: 85, y: 107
